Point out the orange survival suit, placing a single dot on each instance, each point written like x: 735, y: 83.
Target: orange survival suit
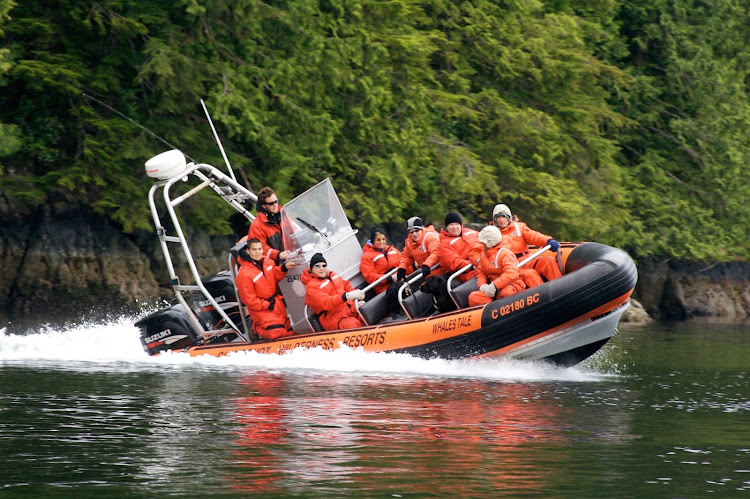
x: 267, y: 228
x: 517, y: 236
x: 375, y: 263
x: 257, y: 284
x: 424, y: 251
x: 499, y: 266
x: 453, y: 252
x: 325, y: 296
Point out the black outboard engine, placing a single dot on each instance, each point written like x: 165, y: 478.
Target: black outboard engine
x: 221, y: 287
x: 168, y: 329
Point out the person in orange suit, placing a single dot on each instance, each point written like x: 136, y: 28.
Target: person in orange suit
x: 420, y: 249
x: 497, y: 271
x: 330, y: 296
x: 517, y: 236
x: 456, y: 241
x: 378, y: 258
x: 258, y: 286
x: 267, y: 225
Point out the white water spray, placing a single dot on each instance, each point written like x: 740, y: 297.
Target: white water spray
x: 115, y: 345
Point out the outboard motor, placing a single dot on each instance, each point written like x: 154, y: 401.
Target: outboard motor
x: 168, y: 329
x: 221, y: 287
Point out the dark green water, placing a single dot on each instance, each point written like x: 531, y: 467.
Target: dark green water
x: 662, y: 411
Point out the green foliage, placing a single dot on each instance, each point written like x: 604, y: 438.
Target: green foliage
x: 622, y: 122
x: 10, y: 139
x: 687, y: 157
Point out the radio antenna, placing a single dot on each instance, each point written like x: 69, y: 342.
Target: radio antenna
x: 216, y: 135
x: 136, y: 124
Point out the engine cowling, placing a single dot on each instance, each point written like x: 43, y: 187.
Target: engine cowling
x: 168, y: 329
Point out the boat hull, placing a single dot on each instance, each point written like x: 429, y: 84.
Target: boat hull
x: 562, y: 321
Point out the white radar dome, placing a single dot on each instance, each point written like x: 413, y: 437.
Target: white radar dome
x: 166, y: 165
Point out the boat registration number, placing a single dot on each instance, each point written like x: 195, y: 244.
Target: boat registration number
x: 515, y: 305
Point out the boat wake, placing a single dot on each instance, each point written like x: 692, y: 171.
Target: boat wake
x: 114, y: 346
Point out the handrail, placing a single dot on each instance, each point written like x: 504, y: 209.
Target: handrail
x: 379, y: 280
x: 467, y: 267
x: 307, y: 317
x: 408, y: 284
x: 369, y: 287
x: 244, y: 315
x: 532, y: 256
x: 450, y: 281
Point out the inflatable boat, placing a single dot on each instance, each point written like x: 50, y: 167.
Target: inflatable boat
x: 562, y: 321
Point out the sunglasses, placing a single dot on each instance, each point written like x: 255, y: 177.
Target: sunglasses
x: 320, y: 265
x: 271, y: 203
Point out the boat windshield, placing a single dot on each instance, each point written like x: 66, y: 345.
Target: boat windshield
x: 314, y: 222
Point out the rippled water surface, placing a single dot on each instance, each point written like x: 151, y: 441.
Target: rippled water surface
x: 661, y: 411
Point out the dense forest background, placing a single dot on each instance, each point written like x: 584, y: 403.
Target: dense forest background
x: 624, y: 122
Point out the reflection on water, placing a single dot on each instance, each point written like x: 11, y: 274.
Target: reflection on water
x: 661, y: 411
x: 398, y: 435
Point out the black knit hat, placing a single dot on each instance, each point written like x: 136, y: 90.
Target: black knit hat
x: 453, y: 218
x: 317, y: 258
x: 375, y: 231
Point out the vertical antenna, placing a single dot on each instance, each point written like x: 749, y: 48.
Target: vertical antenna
x: 221, y: 148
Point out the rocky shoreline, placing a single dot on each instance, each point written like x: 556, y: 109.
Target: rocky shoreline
x: 74, y: 264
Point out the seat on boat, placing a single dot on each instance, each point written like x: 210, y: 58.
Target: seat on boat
x: 235, y: 250
x: 461, y: 292
x: 312, y: 320
x: 419, y: 304
x: 375, y: 309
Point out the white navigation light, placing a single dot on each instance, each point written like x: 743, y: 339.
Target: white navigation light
x: 166, y: 165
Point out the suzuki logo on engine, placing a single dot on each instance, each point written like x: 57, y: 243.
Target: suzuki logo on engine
x: 219, y: 299
x: 158, y: 336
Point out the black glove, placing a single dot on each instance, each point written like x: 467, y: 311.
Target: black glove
x: 271, y: 303
x: 553, y: 245
x: 425, y: 270
x: 401, y: 274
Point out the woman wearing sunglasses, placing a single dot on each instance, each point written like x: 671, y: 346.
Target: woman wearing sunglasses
x: 378, y: 258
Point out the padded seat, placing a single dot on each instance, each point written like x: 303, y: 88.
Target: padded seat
x: 312, y: 319
x: 419, y: 304
x: 235, y: 250
x: 461, y: 292
x: 375, y: 309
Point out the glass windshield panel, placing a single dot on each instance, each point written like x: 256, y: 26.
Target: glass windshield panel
x: 314, y: 221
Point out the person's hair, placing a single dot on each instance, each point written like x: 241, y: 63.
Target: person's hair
x: 252, y: 241
x: 264, y: 194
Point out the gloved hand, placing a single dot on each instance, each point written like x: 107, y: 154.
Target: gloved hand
x: 483, y: 288
x: 553, y: 245
x: 271, y: 304
x: 425, y: 271
x: 490, y: 290
x: 357, y: 294
x: 394, y: 277
x: 400, y: 274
